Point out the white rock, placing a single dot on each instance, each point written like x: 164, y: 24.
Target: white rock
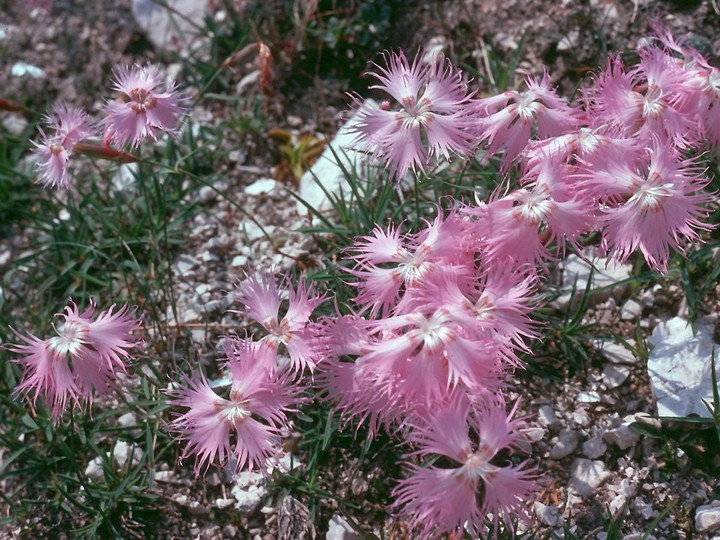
x: 20, y: 69
x: 548, y: 515
x: 679, y: 368
x: 94, y: 470
x: 239, y: 260
x: 588, y: 397
x: 622, y: 435
x: 340, y: 529
x: 707, y: 517
x: 224, y: 503
x: 586, y: 476
x: 594, y: 447
x: 631, y: 310
x: 615, y: 375
x: 547, y: 416
x: 566, y: 444
x: 263, y: 185
x: 125, y: 177
x: 167, y: 477
x: 127, y: 420
x: 122, y: 452
x: 248, y: 499
x: 327, y: 171
x: 169, y: 29
x: 615, y: 352
x: 577, y: 272
x: 253, y: 231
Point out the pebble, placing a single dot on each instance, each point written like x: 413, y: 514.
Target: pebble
x: 566, y: 444
x: 631, y: 310
x: 615, y: 375
x: 622, y: 436
x: 588, y: 475
x: 547, y: 417
x: 263, y: 185
x: 340, y: 529
x: 94, y: 470
x: 707, y: 518
x: 248, y: 500
x: 122, y: 452
x: 547, y: 514
x: 224, y: 503
x: 588, y: 397
x: 616, y: 353
x: 594, y: 447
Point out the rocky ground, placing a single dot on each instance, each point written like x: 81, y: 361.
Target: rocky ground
x: 594, y: 466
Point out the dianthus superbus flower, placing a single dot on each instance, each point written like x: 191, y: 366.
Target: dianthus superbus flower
x: 431, y: 120
x: 474, y: 481
x: 83, y: 357
x: 146, y: 107
x: 245, y: 423
x: 69, y: 126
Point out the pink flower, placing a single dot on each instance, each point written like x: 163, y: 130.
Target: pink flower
x: 145, y: 108
x: 418, y: 357
x: 519, y: 227
x: 432, y: 118
x: 83, y: 357
x: 657, y: 98
x: 246, y: 424
x: 70, y: 125
x: 474, y: 481
x: 295, y: 331
x: 392, y: 270
x: 662, y: 203
x: 507, y: 120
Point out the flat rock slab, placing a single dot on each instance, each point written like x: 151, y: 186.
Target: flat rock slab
x: 680, y: 369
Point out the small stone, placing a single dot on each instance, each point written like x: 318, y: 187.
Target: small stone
x: 122, y: 452
x: 185, y: 264
x: 566, y: 444
x: 166, y: 477
x: 263, y: 185
x: 547, y: 417
x: 239, y: 260
x: 622, y: 436
x: 588, y: 397
x: 125, y: 177
x: 616, y: 353
x: 127, y: 420
x: 249, y: 499
x: 182, y: 500
x: 548, y: 515
x: 253, y: 231
x: 20, y: 69
x: 587, y: 475
x: 630, y: 311
x: 707, y: 518
x: 224, y: 503
x: 340, y: 529
x: 94, y: 470
x: 206, y: 194
x: 615, y: 375
x: 230, y: 531
x: 594, y: 447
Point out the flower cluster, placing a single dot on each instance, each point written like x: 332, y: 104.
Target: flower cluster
x: 244, y: 428
x: 146, y: 107
x: 83, y: 357
x: 616, y: 165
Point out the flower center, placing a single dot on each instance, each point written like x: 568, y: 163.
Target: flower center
x: 71, y: 338
x: 141, y: 100
x: 652, y: 104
